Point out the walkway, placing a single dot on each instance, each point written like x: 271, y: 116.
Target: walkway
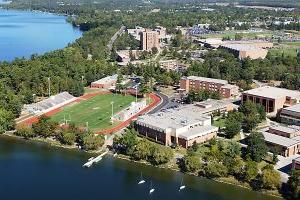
x: 114, y: 37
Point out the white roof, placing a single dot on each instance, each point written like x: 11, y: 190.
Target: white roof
x: 106, y: 79
x: 294, y: 108
x: 242, y: 47
x: 198, y: 132
x: 273, y: 92
x: 212, y: 80
x: 285, y: 129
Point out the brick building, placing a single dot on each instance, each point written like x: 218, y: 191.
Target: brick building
x: 149, y: 39
x: 213, y: 85
x: 181, y: 126
x: 105, y: 83
x: 282, y: 139
x: 272, y: 98
x: 296, y: 164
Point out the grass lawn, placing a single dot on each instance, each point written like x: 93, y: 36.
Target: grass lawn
x: 96, y: 111
x: 219, y: 122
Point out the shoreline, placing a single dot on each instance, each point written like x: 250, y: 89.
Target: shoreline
x: 127, y: 158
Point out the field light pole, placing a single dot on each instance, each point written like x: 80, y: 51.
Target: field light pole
x: 112, y: 111
x: 49, y: 89
x: 136, y: 92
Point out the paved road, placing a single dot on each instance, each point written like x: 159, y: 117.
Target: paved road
x: 164, y: 102
x: 114, y: 37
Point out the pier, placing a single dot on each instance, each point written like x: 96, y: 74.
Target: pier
x: 94, y: 160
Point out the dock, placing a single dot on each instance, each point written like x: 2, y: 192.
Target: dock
x: 91, y: 161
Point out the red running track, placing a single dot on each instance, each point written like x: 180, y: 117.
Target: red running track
x: 155, y: 101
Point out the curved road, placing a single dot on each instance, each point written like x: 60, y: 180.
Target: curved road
x: 165, y: 101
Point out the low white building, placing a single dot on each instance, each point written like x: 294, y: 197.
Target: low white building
x: 129, y: 112
x: 180, y: 126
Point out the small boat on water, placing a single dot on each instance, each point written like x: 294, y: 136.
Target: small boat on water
x: 115, y: 154
x: 182, y: 186
x: 151, y: 189
x: 141, y: 180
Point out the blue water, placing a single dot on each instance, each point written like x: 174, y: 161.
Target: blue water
x: 34, y: 171
x: 23, y: 33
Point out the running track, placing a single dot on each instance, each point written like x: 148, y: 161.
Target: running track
x: 155, y: 101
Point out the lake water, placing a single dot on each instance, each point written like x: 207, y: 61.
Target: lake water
x: 36, y: 171
x: 23, y: 33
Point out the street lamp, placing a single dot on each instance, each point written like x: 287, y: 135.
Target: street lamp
x: 49, y: 89
x: 136, y: 91
x: 112, y: 111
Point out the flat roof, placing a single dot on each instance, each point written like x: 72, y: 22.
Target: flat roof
x: 297, y: 159
x: 106, y: 79
x: 294, y: 108
x: 285, y: 129
x: 242, y: 47
x: 173, y: 118
x: 273, y: 92
x: 212, y: 80
x: 279, y: 140
x: 198, y: 132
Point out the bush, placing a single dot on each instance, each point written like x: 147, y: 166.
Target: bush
x: 270, y: 179
x: 92, y: 142
x: 24, y: 131
x: 191, y: 163
x: 67, y: 138
x: 142, y: 150
x: 215, y: 169
x: 161, y: 155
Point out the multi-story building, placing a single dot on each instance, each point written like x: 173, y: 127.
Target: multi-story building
x: 272, y: 98
x: 149, y: 39
x: 213, y: 85
x: 291, y: 115
x: 282, y: 139
x: 241, y: 51
x: 180, y: 126
x: 296, y: 164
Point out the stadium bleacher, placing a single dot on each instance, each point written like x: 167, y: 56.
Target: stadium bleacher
x: 51, y: 103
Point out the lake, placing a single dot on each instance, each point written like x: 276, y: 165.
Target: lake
x: 23, y: 33
x: 30, y: 170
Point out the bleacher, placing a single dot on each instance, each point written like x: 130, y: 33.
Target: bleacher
x: 51, y: 103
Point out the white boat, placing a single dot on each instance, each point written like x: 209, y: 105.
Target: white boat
x: 182, y: 187
x: 141, y: 180
x: 151, y: 189
x: 115, y: 154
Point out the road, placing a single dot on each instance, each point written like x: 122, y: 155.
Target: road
x: 114, y: 37
x: 164, y: 102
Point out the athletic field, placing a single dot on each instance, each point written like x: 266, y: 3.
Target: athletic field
x: 96, y: 111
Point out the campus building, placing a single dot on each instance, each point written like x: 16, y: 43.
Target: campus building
x: 296, y: 163
x: 149, y: 39
x: 133, y: 109
x: 182, y: 126
x: 291, y: 115
x: 173, y: 65
x: 225, y: 89
x: 272, y: 98
x: 105, y: 83
x: 282, y: 139
x: 242, y: 51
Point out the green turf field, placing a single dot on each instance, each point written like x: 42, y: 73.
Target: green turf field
x: 96, y: 111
